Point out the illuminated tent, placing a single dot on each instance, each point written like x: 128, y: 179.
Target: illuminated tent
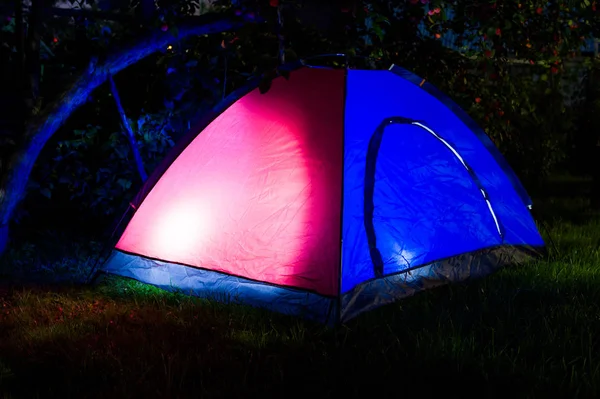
x: 333, y: 193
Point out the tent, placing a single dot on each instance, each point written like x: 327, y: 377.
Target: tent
x: 333, y: 193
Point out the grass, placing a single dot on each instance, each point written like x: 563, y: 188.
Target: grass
x: 528, y: 331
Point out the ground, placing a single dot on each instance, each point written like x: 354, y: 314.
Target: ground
x: 527, y: 331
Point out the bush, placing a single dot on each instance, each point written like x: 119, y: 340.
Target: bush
x: 94, y: 168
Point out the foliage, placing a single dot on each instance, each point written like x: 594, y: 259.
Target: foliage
x: 51, y: 257
x: 524, y: 113
x: 96, y: 167
x: 524, y: 332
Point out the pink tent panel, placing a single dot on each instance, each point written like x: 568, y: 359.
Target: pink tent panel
x: 258, y: 193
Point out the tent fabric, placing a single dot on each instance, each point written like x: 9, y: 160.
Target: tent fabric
x: 377, y: 292
x: 450, y: 203
x: 427, y: 205
x: 472, y: 125
x: 245, y: 202
x: 332, y: 194
x: 222, y: 287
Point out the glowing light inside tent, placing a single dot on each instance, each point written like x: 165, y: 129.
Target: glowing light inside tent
x: 402, y: 258
x: 180, y: 228
x: 257, y: 194
x: 238, y: 202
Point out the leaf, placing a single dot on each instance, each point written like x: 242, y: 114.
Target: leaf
x: 33, y: 185
x: 124, y: 183
x: 264, y: 85
x: 285, y: 73
x: 46, y: 192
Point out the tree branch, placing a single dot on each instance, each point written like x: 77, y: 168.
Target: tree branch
x: 79, y: 12
x: 139, y: 163
x: 45, y: 124
x: 92, y: 14
x: 98, y: 14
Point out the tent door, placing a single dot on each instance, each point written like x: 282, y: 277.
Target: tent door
x: 369, y: 184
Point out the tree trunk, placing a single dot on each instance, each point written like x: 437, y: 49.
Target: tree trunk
x: 42, y: 126
x: 128, y: 131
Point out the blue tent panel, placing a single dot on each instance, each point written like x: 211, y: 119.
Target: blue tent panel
x: 437, y: 191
